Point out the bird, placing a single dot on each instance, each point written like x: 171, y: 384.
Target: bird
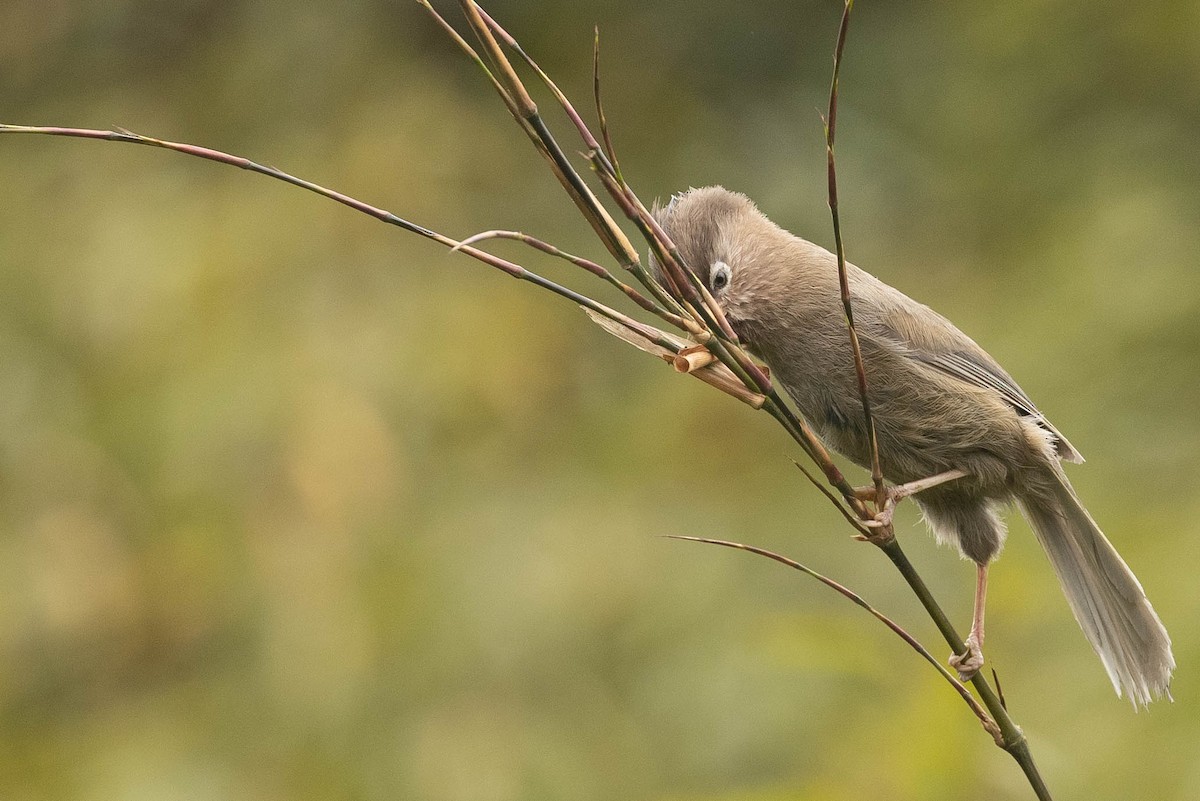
x: 953, y: 428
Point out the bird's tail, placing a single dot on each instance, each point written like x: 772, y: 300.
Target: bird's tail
x: 1107, y: 599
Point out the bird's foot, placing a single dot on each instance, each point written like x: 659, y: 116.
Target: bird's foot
x: 892, y: 495
x: 879, y: 527
x: 876, y: 530
x: 970, y: 661
x: 883, y: 517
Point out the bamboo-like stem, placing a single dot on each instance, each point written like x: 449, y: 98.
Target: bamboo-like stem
x: 569, y: 108
x: 985, y: 719
x: 1012, y: 738
x: 618, y: 244
x: 508, y: 76
x: 515, y: 270
x: 843, y: 279
x: 470, y: 53
x: 525, y: 113
x: 602, y: 162
x: 587, y: 264
x: 608, y: 232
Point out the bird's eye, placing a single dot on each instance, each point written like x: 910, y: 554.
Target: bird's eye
x: 719, y: 275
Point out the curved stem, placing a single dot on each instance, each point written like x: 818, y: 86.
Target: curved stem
x: 989, y: 725
x: 221, y: 157
x: 587, y: 264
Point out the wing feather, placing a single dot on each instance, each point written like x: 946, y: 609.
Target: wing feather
x: 957, y: 355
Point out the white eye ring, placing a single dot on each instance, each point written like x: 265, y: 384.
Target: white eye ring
x: 719, y: 276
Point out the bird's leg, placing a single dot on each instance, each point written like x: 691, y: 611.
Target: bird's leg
x: 884, y: 509
x: 970, y: 661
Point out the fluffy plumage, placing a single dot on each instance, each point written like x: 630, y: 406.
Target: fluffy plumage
x: 940, y: 403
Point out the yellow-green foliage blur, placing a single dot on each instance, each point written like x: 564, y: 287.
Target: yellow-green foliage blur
x: 297, y: 506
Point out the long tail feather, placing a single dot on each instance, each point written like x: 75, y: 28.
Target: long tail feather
x: 1107, y: 599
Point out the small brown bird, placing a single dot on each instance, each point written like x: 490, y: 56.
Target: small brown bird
x: 943, y: 408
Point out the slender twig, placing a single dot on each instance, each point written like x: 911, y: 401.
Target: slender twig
x: 709, y: 312
x: 619, y: 245
x: 706, y: 309
x: 515, y: 270
x: 512, y: 84
x: 685, y: 284
x: 587, y: 264
x: 684, y: 281
x: 524, y: 111
x: 989, y: 725
x: 606, y: 229
x: 627, y: 259
x: 568, y: 107
x: 604, y: 135
x: 470, y: 52
x: 863, y: 531
x: 843, y: 278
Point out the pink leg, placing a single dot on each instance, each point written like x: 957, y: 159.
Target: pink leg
x: 970, y: 661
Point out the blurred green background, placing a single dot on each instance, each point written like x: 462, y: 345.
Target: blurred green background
x: 298, y: 506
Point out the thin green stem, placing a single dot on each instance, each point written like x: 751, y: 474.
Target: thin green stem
x: 598, y: 155
x: 862, y: 530
x: 521, y: 107
x: 1012, y: 739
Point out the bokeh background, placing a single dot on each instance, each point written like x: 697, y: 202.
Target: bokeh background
x: 294, y: 505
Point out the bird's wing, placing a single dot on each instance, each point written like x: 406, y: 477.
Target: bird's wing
x: 935, y: 341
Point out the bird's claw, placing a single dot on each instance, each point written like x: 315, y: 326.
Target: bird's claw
x: 879, y: 526
x: 877, y: 529
x: 970, y: 661
x: 892, y: 495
